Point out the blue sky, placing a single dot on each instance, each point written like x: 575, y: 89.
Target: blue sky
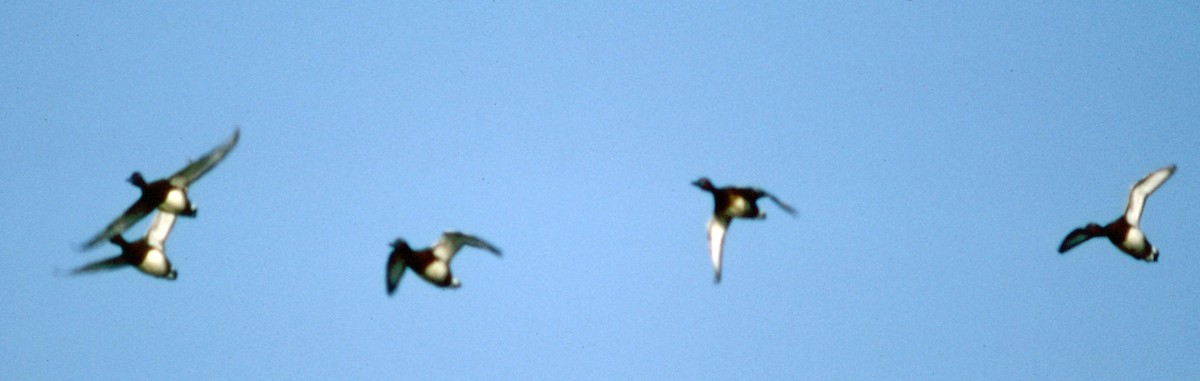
x: 937, y: 152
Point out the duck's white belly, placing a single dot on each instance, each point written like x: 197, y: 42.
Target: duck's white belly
x: 1134, y: 241
x: 176, y: 201
x: 738, y: 205
x: 155, y: 263
x: 437, y: 271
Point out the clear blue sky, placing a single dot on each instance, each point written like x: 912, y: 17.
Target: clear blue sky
x: 938, y: 152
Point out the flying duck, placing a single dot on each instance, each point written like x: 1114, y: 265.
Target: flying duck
x: 167, y: 195
x: 732, y: 202
x: 431, y: 263
x: 147, y: 254
x: 1124, y: 232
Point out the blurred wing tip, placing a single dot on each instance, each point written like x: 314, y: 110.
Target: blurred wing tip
x: 790, y: 211
x: 716, y: 241
x: 782, y: 205
x: 88, y: 245
x: 1074, y: 238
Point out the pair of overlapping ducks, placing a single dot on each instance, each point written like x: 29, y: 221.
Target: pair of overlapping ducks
x: 167, y: 198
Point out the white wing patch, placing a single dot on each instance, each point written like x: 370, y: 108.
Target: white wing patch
x: 451, y: 242
x: 716, y: 241
x: 160, y: 228
x: 445, y: 249
x: 1142, y: 190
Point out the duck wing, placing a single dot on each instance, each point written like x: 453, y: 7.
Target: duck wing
x: 1079, y: 236
x: 395, y: 270
x: 160, y: 227
x: 452, y: 241
x: 717, y: 226
x: 195, y: 169
x: 782, y: 205
x: 1142, y: 190
x: 135, y: 213
x: 102, y: 265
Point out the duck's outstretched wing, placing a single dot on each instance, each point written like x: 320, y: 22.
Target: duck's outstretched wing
x: 195, y: 169
x: 782, y: 205
x: 102, y: 265
x: 395, y: 270
x: 717, y: 226
x: 135, y: 213
x: 452, y: 241
x: 1142, y: 190
x: 160, y: 228
x: 1079, y: 236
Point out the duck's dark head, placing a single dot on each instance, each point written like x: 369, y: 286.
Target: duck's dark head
x: 119, y: 241
x: 401, y: 246
x: 704, y: 184
x: 172, y: 275
x: 137, y: 180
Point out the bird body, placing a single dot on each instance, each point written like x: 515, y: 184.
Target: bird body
x: 432, y: 263
x: 1125, y: 232
x: 167, y: 195
x: 729, y: 203
x: 147, y: 254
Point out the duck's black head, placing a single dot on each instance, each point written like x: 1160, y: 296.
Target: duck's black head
x: 704, y: 184
x: 401, y: 246
x: 118, y: 240
x: 172, y: 275
x: 137, y: 180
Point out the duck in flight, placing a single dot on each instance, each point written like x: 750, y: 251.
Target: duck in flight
x: 1124, y: 232
x: 148, y: 254
x: 167, y: 195
x: 729, y: 203
x: 432, y: 263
